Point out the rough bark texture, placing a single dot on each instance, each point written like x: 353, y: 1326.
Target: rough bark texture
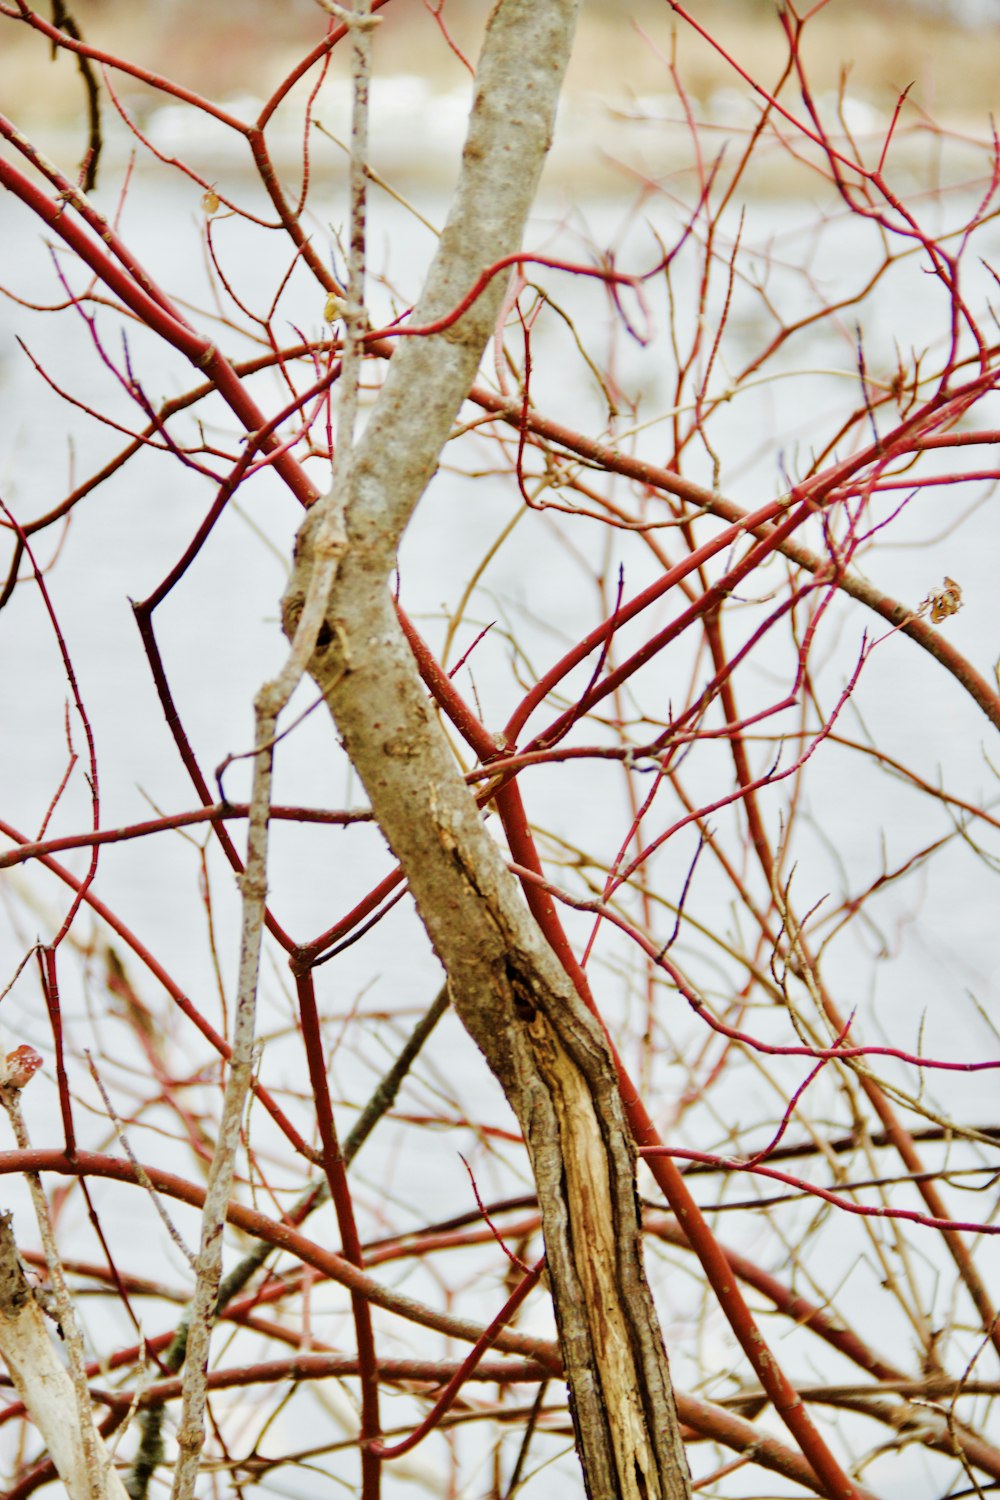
x: 42, y: 1383
x: 508, y: 988
x: 545, y: 1048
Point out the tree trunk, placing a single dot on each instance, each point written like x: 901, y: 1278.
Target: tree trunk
x: 549, y: 1054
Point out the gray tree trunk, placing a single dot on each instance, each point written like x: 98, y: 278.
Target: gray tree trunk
x: 507, y: 986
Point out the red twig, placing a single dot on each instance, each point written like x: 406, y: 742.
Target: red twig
x: 340, y: 1194
x: 812, y: 1189
x: 451, y: 1390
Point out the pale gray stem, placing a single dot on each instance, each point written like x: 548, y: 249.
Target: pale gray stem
x: 137, y: 1166
x: 208, y: 1267
x: 150, y: 1452
x: 355, y: 319
x: 330, y: 541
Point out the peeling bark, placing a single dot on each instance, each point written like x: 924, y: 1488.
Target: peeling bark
x: 42, y: 1383
x: 508, y: 988
x: 547, y: 1051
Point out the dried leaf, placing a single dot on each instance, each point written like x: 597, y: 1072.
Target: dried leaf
x: 19, y: 1067
x: 945, y: 601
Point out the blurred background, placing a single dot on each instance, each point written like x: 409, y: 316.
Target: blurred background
x: 229, y: 46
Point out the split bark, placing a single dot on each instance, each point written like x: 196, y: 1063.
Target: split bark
x: 42, y: 1383
x: 549, y: 1054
